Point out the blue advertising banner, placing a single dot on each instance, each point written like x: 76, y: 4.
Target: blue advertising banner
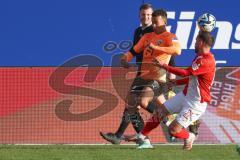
x: 49, y: 32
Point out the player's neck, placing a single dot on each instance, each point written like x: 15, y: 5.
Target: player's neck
x: 203, y: 53
x: 160, y: 30
x: 206, y: 50
x: 203, y: 50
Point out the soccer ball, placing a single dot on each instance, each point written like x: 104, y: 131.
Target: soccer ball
x: 206, y: 22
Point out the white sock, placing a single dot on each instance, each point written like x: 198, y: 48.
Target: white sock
x: 141, y: 136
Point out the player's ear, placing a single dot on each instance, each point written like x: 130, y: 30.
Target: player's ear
x: 165, y: 20
x: 201, y: 43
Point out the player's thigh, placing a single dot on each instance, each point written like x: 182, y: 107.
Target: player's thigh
x: 174, y: 105
x: 190, y: 112
x: 160, y: 112
x: 145, y: 97
x: 131, y: 98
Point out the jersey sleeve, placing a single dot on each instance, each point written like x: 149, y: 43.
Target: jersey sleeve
x: 174, y: 37
x: 170, y: 39
x: 139, y: 47
x: 199, y: 66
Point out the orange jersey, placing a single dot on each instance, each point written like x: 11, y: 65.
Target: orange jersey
x: 148, y: 70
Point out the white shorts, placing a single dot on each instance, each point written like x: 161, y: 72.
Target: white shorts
x: 188, y: 110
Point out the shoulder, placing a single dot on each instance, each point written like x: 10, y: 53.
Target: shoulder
x: 171, y: 36
x: 210, y: 59
x: 138, y: 29
x: 148, y: 35
x: 148, y: 29
x: 168, y: 37
x: 206, y: 60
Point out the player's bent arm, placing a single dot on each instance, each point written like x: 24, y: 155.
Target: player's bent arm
x: 128, y: 56
x: 139, y: 47
x: 175, y: 49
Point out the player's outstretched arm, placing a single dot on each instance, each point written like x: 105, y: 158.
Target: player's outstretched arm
x: 176, y: 82
x: 177, y: 71
x: 174, y: 70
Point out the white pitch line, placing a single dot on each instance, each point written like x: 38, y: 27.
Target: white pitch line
x: 157, y: 144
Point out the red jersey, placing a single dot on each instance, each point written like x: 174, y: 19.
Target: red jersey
x: 201, y: 75
x: 201, y: 78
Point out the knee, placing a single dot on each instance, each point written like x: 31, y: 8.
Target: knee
x: 126, y: 116
x: 131, y: 100
x: 131, y: 107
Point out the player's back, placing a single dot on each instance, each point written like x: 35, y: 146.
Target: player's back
x: 203, y: 73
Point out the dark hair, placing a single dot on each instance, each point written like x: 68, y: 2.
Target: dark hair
x: 145, y: 6
x: 159, y: 12
x: 206, y: 37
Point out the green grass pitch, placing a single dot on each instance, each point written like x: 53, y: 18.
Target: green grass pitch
x: 110, y: 152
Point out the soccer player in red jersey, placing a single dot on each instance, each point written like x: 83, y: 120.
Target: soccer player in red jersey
x: 191, y: 103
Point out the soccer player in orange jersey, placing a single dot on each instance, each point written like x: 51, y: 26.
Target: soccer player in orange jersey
x: 159, y: 45
x: 150, y: 84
